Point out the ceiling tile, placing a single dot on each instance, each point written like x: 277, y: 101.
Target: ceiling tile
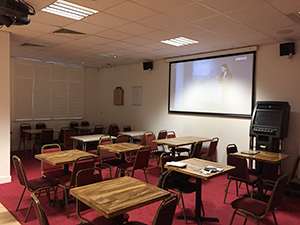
x: 135, y: 29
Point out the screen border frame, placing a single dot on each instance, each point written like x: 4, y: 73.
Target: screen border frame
x: 252, y: 101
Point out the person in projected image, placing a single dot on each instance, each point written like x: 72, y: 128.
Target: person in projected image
x: 224, y: 79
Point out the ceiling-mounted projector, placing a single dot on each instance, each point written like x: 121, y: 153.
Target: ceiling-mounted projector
x: 15, y: 12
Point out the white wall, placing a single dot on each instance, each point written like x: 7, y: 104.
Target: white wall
x: 5, y: 107
x: 277, y: 79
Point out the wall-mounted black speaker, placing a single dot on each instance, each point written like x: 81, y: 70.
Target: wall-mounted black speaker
x: 147, y: 65
x: 287, y: 49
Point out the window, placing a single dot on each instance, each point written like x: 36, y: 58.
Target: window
x: 47, y: 91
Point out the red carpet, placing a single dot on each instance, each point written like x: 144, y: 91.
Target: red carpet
x: 212, y: 192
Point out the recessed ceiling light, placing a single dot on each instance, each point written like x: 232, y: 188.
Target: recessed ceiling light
x: 179, y: 41
x: 109, y: 54
x: 69, y: 10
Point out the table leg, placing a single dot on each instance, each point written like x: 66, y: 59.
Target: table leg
x: 123, y: 160
x: 119, y: 220
x: 198, y: 205
x: 66, y: 169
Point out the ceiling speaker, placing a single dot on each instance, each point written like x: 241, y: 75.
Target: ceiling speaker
x: 147, y: 65
x: 287, y: 49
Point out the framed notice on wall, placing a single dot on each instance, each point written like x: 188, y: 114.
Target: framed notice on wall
x: 137, y: 95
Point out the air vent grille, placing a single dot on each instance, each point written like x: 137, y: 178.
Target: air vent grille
x: 67, y: 31
x: 33, y: 45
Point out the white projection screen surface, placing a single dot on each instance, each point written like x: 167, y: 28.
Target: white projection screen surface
x: 219, y: 85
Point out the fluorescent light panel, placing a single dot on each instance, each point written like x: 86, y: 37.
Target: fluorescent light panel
x: 179, y: 41
x: 69, y: 10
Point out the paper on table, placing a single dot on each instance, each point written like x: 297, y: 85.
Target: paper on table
x: 211, y: 169
x: 176, y: 164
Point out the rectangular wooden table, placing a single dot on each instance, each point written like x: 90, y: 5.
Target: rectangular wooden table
x: 193, y: 168
x: 264, y: 157
x: 180, y: 141
x: 62, y: 157
x: 112, y: 198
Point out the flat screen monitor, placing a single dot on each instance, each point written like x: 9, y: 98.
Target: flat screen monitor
x: 220, y: 85
x: 268, y: 118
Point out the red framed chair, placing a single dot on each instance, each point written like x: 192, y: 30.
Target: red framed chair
x: 85, y: 123
x: 126, y: 128
x: 255, y: 209
x: 141, y: 162
x: 67, y: 182
x: 61, y: 135
x: 40, y: 125
x: 113, y: 130
x: 47, y: 169
x: 73, y: 124
x: 68, y: 142
x: 37, y: 185
x: 46, y: 137
x: 122, y: 138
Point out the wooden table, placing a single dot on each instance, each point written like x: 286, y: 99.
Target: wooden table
x: 179, y: 141
x: 112, y: 198
x: 62, y: 157
x: 194, y: 165
x: 264, y: 156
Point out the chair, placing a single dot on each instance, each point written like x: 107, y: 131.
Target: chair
x: 84, y: 131
x: 196, y: 150
x: 24, y: 126
x: 98, y: 129
x: 164, y: 214
x: 85, y: 123
x: 211, y: 149
x: 36, y: 185
x: 85, y: 214
x: 240, y: 174
x: 178, y: 150
x: 61, y: 135
x: 39, y: 211
x: 126, y: 128
x: 68, y: 142
x: 40, y: 125
x: 231, y: 148
x: 141, y: 161
x: 67, y: 182
x: 255, y: 209
x: 73, y: 124
x: 122, y: 138
x: 113, y: 130
x: 269, y: 180
x: 47, y: 169
x: 46, y: 137
x: 107, y: 159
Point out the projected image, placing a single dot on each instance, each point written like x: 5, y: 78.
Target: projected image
x: 219, y: 85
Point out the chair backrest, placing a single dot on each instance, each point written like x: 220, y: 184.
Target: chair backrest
x: 84, y: 131
x: 81, y: 163
x: 196, y: 153
x: 142, y: 158
x: 212, y: 147
x: 105, y: 140
x: 73, y: 124
x: 68, y: 142
x: 294, y: 169
x: 164, y: 158
x: 48, y: 148
x: 126, y: 128
x: 46, y: 136
x: 85, y: 123
x: 241, y: 167
x: 171, y: 134
x: 144, y: 139
x: 98, y: 129
x: 231, y: 148
x: 24, y: 126
x: 150, y: 137
x: 40, y: 125
x: 277, y: 193
x: 162, y: 134
x: 61, y: 134
x: 113, y: 129
x: 122, y: 138
x: 20, y: 171
x: 39, y: 212
x: 166, y: 210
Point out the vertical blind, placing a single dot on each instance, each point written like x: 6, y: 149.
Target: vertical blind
x: 47, y: 91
